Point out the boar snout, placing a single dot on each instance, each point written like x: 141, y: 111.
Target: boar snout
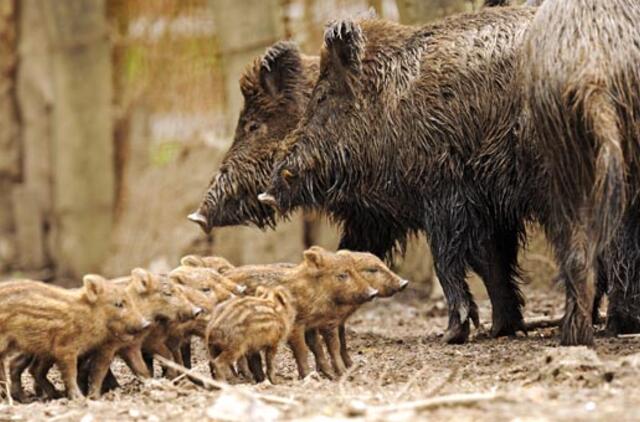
x: 372, y: 293
x: 240, y: 289
x: 140, y: 327
x: 201, y: 220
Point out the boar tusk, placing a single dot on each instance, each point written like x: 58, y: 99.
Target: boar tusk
x: 268, y: 199
x: 200, y: 219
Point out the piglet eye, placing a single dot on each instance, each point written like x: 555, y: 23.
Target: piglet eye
x: 205, y: 290
x: 372, y: 270
x: 342, y: 276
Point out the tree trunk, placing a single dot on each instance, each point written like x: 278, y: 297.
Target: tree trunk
x: 9, y: 130
x: 82, y: 143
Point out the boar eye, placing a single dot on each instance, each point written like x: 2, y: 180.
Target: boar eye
x: 372, y: 270
x: 342, y: 276
x: 205, y: 289
x: 252, y: 127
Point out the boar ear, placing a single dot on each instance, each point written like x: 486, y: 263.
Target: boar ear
x: 313, y: 257
x: 345, y: 41
x: 280, y: 68
x: 191, y: 261
x: 144, y: 279
x: 282, y: 296
x: 93, y: 286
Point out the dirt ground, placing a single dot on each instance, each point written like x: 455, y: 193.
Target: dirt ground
x: 400, y: 359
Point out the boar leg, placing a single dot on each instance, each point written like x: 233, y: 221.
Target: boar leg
x: 17, y: 366
x: 332, y: 339
x: 312, y: 339
x: 344, y: 352
x: 68, y: 366
x: 243, y: 368
x: 132, y: 356
x: 270, y: 357
x: 255, y: 365
x: 300, y: 350
x: 43, y: 387
x: 496, y: 263
x: 222, y: 364
x: 186, y: 353
x: 575, y: 254
x: 164, y: 351
x: 101, y: 363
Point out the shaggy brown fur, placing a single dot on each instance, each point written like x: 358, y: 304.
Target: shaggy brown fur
x: 579, y: 69
x: 411, y: 129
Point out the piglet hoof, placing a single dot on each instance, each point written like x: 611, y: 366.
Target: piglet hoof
x: 312, y: 377
x: 273, y: 380
x: 457, y: 333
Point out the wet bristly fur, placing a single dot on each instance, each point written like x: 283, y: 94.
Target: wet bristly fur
x: 410, y: 129
x: 582, y: 92
x: 275, y: 88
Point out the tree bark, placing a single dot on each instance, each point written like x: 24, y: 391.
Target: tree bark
x: 82, y: 143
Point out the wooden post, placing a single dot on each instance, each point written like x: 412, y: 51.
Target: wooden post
x: 82, y: 134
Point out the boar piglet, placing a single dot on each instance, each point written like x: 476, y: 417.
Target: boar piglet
x: 217, y: 263
x: 204, y: 278
x: 321, y: 284
x: 378, y: 276
x: 250, y: 325
x: 57, y: 325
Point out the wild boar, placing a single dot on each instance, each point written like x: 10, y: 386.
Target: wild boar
x: 249, y: 325
x: 56, y: 325
x: 218, y: 263
x: 411, y: 129
x: 579, y: 73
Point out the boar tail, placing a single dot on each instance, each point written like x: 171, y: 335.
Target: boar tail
x: 609, y: 194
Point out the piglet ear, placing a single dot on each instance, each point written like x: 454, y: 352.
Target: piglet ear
x: 314, y: 257
x: 143, y: 280
x: 280, y: 68
x: 192, y: 261
x: 94, y: 286
x: 282, y: 296
x: 345, y: 42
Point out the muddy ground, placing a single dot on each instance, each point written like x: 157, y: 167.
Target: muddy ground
x: 400, y: 359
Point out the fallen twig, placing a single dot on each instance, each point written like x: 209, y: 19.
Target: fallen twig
x: 635, y: 335
x: 542, y: 322
x: 207, y: 381
x: 448, y: 400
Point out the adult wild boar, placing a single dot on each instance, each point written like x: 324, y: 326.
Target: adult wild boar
x: 579, y: 71
x: 276, y: 88
x: 411, y: 129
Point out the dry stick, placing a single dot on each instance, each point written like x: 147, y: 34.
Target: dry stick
x: 221, y: 385
x: 547, y: 322
x: 7, y: 383
x: 411, y: 382
x: 438, y: 388
x: 448, y: 400
x: 636, y: 335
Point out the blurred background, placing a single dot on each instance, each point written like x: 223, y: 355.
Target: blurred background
x: 114, y: 115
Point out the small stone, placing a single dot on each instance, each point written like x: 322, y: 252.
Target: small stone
x: 590, y: 406
x: 356, y: 408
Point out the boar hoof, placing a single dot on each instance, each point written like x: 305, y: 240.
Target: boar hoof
x: 457, y: 333
x: 505, y: 329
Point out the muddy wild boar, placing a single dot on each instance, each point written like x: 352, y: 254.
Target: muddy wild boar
x: 249, y: 325
x: 410, y: 129
x: 276, y: 88
x: 579, y: 71
x: 321, y: 285
x: 217, y: 263
x: 57, y: 325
